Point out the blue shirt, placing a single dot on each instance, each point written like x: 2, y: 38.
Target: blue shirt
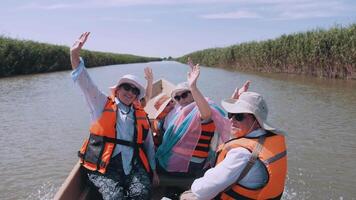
x: 96, y: 101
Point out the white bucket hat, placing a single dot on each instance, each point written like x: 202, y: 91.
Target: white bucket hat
x: 131, y: 79
x: 184, y: 86
x: 250, y: 102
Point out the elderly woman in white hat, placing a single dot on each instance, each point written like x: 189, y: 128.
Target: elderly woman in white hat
x: 253, y: 165
x: 119, y: 154
x: 188, y: 139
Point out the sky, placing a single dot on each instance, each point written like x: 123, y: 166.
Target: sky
x: 162, y: 28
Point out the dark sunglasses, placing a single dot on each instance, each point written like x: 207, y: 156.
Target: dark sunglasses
x: 238, y: 116
x: 128, y: 88
x: 183, y: 96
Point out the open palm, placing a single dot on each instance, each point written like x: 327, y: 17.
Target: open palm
x: 76, y: 47
x: 193, y: 75
x: 78, y: 44
x: 239, y: 91
x: 148, y: 74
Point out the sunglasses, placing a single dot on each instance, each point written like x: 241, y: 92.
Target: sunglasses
x: 128, y: 87
x: 183, y: 96
x: 237, y: 116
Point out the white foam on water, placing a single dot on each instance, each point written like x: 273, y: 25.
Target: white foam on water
x: 46, y: 191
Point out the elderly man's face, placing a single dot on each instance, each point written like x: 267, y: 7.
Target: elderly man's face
x: 127, y: 93
x: 242, y: 124
x: 184, y: 98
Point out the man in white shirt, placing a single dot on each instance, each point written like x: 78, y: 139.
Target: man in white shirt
x: 251, y: 166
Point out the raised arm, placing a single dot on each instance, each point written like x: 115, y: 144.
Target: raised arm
x: 94, y: 97
x: 149, y: 79
x: 203, y: 105
x: 75, y: 49
x: 238, y: 91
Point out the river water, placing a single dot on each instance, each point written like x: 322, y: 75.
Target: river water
x: 44, y: 120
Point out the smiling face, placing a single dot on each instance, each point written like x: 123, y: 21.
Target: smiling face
x: 184, y: 98
x: 125, y: 94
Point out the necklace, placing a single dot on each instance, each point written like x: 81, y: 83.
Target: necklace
x: 122, y: 109
x: 125, y: 113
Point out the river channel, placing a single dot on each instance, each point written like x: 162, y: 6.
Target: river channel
x: 44, y: 120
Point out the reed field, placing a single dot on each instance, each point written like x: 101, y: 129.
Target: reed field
x: 323, y: 53
x: 27, y: 57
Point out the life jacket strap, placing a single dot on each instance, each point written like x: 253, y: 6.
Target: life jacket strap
x: 101, y: 163
x: 122, y: 142
x: 254, y: 156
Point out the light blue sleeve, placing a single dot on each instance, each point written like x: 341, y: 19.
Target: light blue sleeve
x: 95, y: 99
x: 222, y: 175
x: 149, y: 147
x: 77, y: 71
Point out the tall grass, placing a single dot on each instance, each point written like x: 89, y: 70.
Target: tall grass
x: 26, y: 57
x: 323, y: 53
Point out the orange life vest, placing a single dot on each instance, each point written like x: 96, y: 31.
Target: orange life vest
x: 96, y: 151
x: 202, y: 147
x: 157, y: 128
x: 207, y: 132
x: 272, y: 155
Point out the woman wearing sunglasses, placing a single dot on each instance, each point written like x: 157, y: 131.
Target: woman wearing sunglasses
x: 191, y: 129
x: 252, y: 165
x: 119, y: 154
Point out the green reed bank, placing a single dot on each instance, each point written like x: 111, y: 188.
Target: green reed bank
x: 322, y: 53
x: 27, y: 57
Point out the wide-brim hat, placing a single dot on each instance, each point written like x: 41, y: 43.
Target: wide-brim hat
x: 184, y: 86
x: 160, y: 102
x: 160, y: 88
x: 250, y: 102
x: 131, y: 79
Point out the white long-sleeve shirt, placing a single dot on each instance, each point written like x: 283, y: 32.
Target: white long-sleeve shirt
x: 96, y: 101
x: 217, y: 179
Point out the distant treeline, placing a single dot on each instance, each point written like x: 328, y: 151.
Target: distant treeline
x: 27, y: 57
x: 323, y: 53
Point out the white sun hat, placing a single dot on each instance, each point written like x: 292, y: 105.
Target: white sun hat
x: 184, y: 86
x: 131, y: 79
x: 250, y: 102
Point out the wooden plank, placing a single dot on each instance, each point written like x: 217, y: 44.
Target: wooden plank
x: 72, y: 186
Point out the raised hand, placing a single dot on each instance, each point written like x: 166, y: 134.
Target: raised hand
x: 148, y: 74
x: 149, y: 86
x: 76, y: 47
x: 201, y: 102
x: 239, y: 91
x: 193, y: 75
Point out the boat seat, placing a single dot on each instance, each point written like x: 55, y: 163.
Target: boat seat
x: 175, y: 181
